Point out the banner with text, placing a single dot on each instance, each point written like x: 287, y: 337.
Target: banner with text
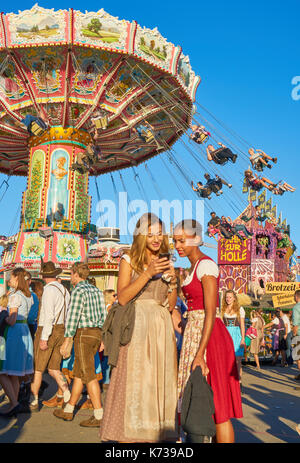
x: 234, y: 251
x: 281, y: 287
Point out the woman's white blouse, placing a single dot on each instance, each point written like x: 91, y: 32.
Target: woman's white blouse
x: 206, y: 267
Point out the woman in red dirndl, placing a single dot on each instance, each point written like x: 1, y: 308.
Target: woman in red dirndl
x: 206, y: 341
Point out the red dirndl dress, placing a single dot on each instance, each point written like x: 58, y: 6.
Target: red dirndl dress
x: 220, y: 358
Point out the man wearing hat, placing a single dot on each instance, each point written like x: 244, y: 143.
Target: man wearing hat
x: 50, y: 334
x: 85, y: 319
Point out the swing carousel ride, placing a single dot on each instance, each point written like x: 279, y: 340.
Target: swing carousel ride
x: 87, y: 94
x: 79, y: 97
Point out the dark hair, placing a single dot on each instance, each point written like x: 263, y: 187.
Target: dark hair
x: 212, y: 213
x: 277, y: 313
x: 38, y: 288
x: 297, y: 293
x: 109, y: 291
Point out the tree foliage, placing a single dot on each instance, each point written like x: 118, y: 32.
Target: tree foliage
x: 95, y: 25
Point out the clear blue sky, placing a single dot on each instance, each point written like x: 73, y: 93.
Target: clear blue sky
x: 246, y: 54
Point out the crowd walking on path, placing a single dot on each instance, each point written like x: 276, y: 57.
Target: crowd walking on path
x: 167, y: 352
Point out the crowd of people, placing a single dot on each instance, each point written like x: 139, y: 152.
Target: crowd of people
x: 156, y: 345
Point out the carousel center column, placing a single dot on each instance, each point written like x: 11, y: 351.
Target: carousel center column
x: 55, y: 206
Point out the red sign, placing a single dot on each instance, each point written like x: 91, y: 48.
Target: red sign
x: 234, y: 251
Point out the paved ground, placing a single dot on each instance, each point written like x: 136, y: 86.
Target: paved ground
x: 271, y: 405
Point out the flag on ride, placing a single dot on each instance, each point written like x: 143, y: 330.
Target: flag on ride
x: 274, y: 211
x: 280, y: 218
x: 283, y: 223
x: 262, y: 199
x: 251, y: 195
x: 245, y: 187
x: 268, y: 206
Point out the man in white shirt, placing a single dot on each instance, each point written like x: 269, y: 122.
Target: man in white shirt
x: 50, y: 334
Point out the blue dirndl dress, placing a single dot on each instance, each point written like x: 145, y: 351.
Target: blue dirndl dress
x: 235, y: 332
x: 18, y: 353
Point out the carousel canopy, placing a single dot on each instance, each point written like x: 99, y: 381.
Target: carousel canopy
x: 90, y: 72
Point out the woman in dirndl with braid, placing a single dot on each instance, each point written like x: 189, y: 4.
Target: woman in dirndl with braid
x: 206, y: 341
x: 18, y: 361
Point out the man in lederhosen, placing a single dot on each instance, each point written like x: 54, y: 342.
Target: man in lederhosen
x: 49, y: 336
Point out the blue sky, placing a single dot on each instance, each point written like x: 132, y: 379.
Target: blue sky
x: 246, y: 54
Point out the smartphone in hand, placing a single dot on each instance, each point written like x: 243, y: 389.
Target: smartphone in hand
x: 164, y: 255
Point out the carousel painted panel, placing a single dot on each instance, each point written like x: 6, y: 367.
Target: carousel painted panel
x: 89, y: 68
x: 80, y: 183
x: 100, y: 29
x: 32, y: 205
x: 31, y: 247
x: 45, y: 70
x: 38, y: 26
x: 151, y: 46
x: 186, y: 75
x: 12, y: 89
x: 122, y: 85
x: 82, y: 207
x: 37, y: 169
x: 2, y: 31
x: 58, y: 193
x: 68, y: 248
x: 55, y: 113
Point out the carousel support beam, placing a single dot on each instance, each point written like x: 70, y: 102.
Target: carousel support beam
x: 102, y: 89
x: 14, y: 131
x: 67, y: 89
x: 137, y: 93
x: 8, y: 110
x: 133, y: 122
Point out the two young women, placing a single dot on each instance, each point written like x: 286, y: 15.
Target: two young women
x: 142, y: 399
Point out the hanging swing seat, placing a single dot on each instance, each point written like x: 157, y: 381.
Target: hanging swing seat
x: 36, y: 129
x: 100, y: 122
x: 148, y: 135
x: 199, y: 137
x: 35, y: 125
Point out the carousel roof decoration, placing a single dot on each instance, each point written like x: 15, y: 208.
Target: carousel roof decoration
x: 73, y: 68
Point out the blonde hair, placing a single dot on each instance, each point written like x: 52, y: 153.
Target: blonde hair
x: 235, y: 305
x: 82, y: 269
x: 4, y: 301
x: 253, y: 314
x: 137, y: 251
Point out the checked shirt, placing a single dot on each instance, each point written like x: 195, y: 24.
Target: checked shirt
x: 86, y: 310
